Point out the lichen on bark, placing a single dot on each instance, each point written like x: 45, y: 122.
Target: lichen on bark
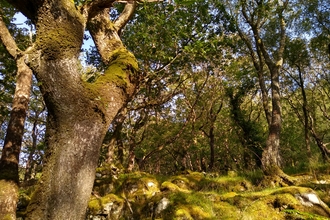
x: 8, y: 198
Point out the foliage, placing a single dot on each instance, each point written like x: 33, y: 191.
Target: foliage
x: 184, y: 61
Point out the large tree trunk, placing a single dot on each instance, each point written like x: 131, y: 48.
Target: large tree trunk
x: 79, y: 113
x: 77, y: 123
x: 75, y: 130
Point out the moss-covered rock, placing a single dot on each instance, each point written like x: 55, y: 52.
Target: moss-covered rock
x: 197, y: 196
x: 104, y: 179
x: 139, y: 185
x: 169, y: 186
x: 109, y: 207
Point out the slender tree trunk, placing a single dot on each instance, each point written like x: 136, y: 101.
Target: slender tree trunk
x: 30, y: 162
x: 264, y: 95
x: 115, y: 139
x: 131, y: 156
x: 271, y: 154
x: 211, y: 143
x: 189, y: 162
x: 12, y: 146
x: 110, y: 151
x: 271, y: 160
x: 120, y: 148
x: 309, y: 125
x: 325, y: 152
x: 305, y: 111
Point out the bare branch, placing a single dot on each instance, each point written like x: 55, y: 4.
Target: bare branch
x: 128, y: 11
x: 125, y: 15
x: 7, y: 39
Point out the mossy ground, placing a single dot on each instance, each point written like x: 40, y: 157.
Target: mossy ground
x: 195, y: 195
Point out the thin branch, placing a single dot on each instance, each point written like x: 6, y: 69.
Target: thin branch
x: 169, y: 63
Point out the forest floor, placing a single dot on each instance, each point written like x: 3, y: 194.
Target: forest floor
x: 194, y: 195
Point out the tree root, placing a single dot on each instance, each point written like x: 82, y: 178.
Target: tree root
x: 275, y: 177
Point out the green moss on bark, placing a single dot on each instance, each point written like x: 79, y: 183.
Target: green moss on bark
x: 60, y: 39
x: 120, y: 72
x: 58, y: 42
x: 122, y: 65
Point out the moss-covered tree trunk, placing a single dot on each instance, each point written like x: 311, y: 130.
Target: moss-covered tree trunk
x: 79, y: 113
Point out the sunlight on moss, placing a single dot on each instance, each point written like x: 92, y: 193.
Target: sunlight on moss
x: 223, y: 210
x: 183, y: 213
x: 195, y: 196
x: 97, y: 204
x: 295, y: 214
x: 261, y: 209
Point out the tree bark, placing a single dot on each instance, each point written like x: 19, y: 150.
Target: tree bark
x: 79, y: 113
x: 12, y: 145
x: 305, y: 112
x: 211, y: 144
x: 325, y: 152
x: 8, y: 199
x: 271, y: 154
x: 115, y: 140
x: 30, y: 162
